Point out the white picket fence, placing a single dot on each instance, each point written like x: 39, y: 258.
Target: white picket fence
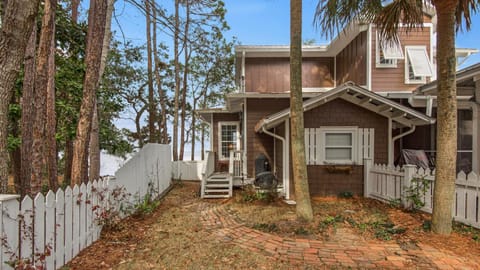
x: 387, y: 183
x: 63, y: 222
x: 66, y: 221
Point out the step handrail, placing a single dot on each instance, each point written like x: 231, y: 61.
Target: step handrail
x: 208, y: 170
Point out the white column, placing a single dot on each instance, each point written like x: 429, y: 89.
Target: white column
x: 390, y: 143
x: 286, y: 160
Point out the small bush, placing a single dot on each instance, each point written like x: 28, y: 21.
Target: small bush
x: 251, y: 194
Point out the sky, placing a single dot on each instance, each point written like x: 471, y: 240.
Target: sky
x: 265, y: 22
x: 259, y: 22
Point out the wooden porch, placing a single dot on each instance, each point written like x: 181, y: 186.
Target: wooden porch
x: 219, y: 184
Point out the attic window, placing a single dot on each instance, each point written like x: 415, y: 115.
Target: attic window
x: 417, y: 64
x: 388, y: 52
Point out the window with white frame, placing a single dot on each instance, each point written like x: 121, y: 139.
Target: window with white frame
x: 228, y: 139
x: 338, y: 145
x: 387, y: 53
x: 417, y: 65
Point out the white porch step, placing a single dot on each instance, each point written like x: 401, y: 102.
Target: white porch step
x: 208, y: 185
x: 218, y: 180
x: 216, y: 190
x: 210, y: 196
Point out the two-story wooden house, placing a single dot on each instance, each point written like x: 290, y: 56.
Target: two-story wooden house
x: 363, y: 99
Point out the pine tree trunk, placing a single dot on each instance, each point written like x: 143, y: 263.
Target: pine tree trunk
x: 68, y: 158
x: 51, y: 123
x: 75, y: 5
x: 185, y: 81
x: 39, y: 149
x: 17, y: 23
x: 15, y: 155
x: 158, y: 80
x: 445, y: 173
x: 177, y: 82
x: 94, y: 152
x: 27, y: 120
x: 194, y: 128
x: 95, y: 36
x: 94, y: 147
x: 300, y: 177
x: 151, y: 97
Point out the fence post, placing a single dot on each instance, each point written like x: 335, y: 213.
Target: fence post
x: 409, y: 172
x: 367, y: 166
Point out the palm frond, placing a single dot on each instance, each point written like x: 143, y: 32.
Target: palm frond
x: 464, y: 12
x: 407, y: 12
x: 332, y: 16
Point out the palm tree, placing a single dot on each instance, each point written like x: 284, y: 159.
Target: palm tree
x: 333, y: 15
x: 300, y: 178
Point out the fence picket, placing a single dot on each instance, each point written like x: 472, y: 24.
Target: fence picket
x: 60, y: 229
x: 76, y: 220
x: 68, y: 224
x: 26, y: 228
x: 50, y: 225
x: 88, y: 216
x: 39, y: 224
x: 82, y: 217
x: 10, y: 211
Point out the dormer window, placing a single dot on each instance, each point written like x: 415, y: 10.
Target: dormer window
x: 417, y: 65
x: 387, y: 53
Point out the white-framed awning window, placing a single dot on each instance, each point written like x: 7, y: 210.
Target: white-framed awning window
x: 419, y: 61
x: 387, y: 52
x: 391, y: 49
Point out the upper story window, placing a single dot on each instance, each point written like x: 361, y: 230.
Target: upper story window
x: 417, y: 65
x: 387, y: 53
x: 228, y: 139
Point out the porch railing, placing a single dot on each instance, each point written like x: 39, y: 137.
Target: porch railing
x: 208, y: 169
x: 235, y: 165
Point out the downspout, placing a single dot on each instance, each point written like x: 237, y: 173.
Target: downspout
x: 410, y: 131
x: 369, y: 57
x: 284, y: 148
x: 242, y: 80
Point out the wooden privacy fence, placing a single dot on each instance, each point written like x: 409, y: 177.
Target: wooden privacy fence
x: 387, y: 183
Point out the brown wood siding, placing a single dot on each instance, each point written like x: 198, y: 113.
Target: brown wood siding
x: 221, y: 117
x: 393, y: 79
x: 339, y: 112
x: 351, y: 61
x: 258, y: 143
x: 323, y: 183
x: 272, y: 75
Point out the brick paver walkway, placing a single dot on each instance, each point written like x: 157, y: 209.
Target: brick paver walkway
x: 345, y: 250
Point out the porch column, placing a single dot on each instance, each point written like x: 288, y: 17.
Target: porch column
x: 390, y: 143
x: 475, y: 138
x: 476, y: 127
x: 286, y: 160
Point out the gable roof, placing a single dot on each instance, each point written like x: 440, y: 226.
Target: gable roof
x: 359, y: 96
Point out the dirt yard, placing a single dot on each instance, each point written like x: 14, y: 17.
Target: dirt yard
x: 179, y: 235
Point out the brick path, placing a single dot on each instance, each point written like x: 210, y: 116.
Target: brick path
x: 345, y: 250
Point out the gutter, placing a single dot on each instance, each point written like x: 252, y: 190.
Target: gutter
x: 410, y: 131
x: 284, y: 155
